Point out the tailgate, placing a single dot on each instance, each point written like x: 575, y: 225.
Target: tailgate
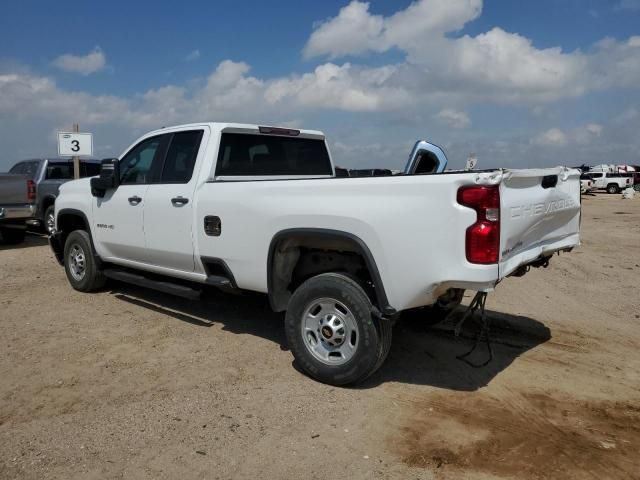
x: 13, y: 189
x: 540, y: 215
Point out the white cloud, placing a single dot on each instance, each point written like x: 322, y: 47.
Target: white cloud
x: 494, y: 66
x: 453, y: 118
x: 87, y: 64
x: 628, y: 5
x: 581, y: 135
x: 552, y: 137
x: 355, y: 31
x: 629, y: 115
x: 441, y: 72
x: 192, y: 56
x: 344, y: 87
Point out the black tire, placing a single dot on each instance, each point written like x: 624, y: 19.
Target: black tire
x: 91, y: 279
x: 636, y: 187
x: 373, y: 333
x: 12, y: 236
x: 613, y: 188
x: 48, y: 221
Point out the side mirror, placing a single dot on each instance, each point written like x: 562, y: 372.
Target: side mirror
x: 109, y: 177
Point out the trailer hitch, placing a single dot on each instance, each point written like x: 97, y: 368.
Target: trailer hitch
x: 476, y: 304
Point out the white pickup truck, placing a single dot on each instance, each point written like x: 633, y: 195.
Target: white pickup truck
x: 244, y: 207
x: 612, y: 182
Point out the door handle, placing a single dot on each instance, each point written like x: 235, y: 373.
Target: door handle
x: 179, y: 200
x: 134, y: 200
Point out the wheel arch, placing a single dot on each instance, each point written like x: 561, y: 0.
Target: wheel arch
x: 281, y: 262
x: 68, y: 220
x: 47, y: 201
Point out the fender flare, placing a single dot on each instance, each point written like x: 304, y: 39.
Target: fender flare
x: 81, y: 214
x: 360, y: 247
x: 41, y: 204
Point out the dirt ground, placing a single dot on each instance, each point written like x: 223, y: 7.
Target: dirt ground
x: 129, y: 383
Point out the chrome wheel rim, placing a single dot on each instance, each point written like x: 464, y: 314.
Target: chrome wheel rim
x: 329, y: 331
x: 50, y: 223
x: 77, y: 262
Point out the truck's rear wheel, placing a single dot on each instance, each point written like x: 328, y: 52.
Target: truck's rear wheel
x: 12, y: 236
x: 613, y: 188
x: 332, y: 332
x: 80, y: 264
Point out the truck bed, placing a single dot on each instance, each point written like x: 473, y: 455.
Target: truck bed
x: 13, y: 189
x: 395, y: 215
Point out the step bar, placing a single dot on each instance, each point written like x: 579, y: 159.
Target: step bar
x: 164, y: 286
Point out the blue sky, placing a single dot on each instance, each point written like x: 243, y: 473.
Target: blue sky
x: 518, y: 83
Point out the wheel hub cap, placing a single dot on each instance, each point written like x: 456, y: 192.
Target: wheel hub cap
x: 50, y: 223
x: 76, y: 261
x: 330, y: 331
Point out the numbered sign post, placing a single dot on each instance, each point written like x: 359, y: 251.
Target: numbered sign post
x: 75, y: 144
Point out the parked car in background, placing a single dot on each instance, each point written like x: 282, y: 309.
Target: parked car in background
x: 17, y: 196
x: 611, y: 182
x: 47, y: 175
x: 586, y: 183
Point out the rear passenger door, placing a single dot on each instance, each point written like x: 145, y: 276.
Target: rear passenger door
x: 168, y: 212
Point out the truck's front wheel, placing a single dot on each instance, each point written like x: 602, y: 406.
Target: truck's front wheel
x: 332, y: 331
x: 80, y: 264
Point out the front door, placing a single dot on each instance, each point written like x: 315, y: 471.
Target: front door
x: 118, y: 216
x: 168, y: 211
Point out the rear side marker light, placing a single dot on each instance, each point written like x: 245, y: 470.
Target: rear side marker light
x: 482, y: 242
x: 31, y: 190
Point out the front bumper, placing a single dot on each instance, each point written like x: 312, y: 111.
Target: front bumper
x: 12, y: 212
x: 55, y: 242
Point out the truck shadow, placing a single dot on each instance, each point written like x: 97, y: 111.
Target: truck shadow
x: 429, y: 356
x: 31, y: 240
x: 248, y: 313
x: 419, y: 355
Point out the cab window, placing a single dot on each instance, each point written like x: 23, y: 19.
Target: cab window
x: 256, y: 155
x: 59, y: 171
x: 136, y: 166
x: 181, y: 157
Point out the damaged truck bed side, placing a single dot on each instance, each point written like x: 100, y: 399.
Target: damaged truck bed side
x: 244, y: 207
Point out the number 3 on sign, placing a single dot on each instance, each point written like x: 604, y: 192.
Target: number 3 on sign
x: 73, y: 144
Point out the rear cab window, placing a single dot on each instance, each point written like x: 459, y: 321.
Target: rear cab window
x: 89, y: 169
x: 255, y: 155
x: 30, y: 169
x: 59, y: 171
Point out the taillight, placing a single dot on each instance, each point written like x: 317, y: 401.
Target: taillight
x: 483, y: 237
x: 31, y: 190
